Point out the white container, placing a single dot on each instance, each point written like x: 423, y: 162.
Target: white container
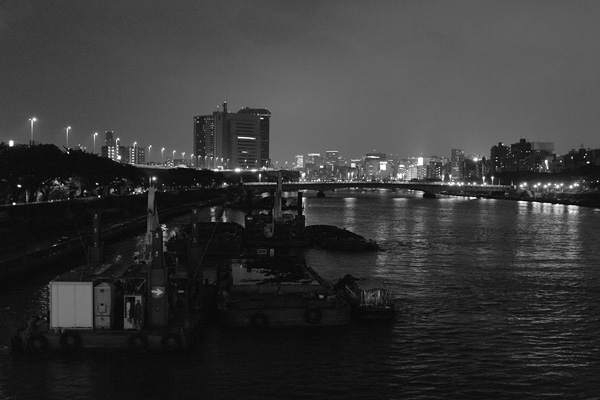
x: 71, y: 305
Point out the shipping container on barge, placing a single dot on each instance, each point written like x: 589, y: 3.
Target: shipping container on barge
x: 112, y: 306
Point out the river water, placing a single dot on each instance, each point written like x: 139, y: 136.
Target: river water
x: 496, y: 299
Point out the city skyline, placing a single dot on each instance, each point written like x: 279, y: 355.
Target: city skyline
x: 408, y: 78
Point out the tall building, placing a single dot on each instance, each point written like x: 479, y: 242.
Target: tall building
x: 331, y: 157
x: 314, y: 159
x: 520, y: 156
x: 264, y: 116
x: 499, y: 157
x: 232, y: 140
x: 456, y: 159
x: 137, y: 155
x: 204, y: 139
x: 300, y: 161
x: 110, y: 148
x: 376, y: 166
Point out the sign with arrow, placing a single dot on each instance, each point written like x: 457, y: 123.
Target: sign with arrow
x: 158, y: 292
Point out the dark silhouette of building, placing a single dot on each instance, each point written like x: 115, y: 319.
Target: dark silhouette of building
x: 264, y: 116
x: 499, y: 157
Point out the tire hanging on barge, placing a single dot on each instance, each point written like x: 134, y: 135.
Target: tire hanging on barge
x: 313, y: 315
x: 171, y: 342
x: 259, y: 320
x: 37, y: 343
x: 70, y: 341
x: 137, y: 342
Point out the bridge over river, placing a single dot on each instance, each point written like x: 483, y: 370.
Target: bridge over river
x: 425, y: 187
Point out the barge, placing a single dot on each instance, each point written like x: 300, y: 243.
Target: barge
x: 276, y: 292
x: 333, y: 238
x: 156, y: 303
x: 112, y: 306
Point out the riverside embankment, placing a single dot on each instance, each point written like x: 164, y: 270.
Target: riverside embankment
x: 34, y: 234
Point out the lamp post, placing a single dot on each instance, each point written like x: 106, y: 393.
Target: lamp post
x: 492, y: 180
x: 173, y: 157
x: 67, y: 129
x: 149, y: 152
x: 95, y: 134
x: 183, y: 157
x: 162, y: 153
x: 32, y: 120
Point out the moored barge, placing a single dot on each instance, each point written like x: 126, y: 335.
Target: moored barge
x: 118, y: 306
x: 277, y: 291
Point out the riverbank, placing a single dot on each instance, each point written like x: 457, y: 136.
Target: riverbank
x: 42, y: 233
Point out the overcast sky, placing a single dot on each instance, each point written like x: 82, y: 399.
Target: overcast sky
x: 404, y: 77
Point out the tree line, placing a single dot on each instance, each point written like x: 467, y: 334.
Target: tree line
x: 44, y: 172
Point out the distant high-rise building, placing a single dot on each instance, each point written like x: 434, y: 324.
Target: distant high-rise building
x: 331, y: 157
x: 137, y: 155
x: 300, y: 161
x: 204, y: 139
x: 456, y: 160
x: 109, y: 149
x: 314, y: 158
x: 520, y: 156
x: 232, y: 140
x: 375, y: 163
x: 499, y: 157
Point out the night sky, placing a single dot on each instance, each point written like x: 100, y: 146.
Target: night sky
x: 405, y: 77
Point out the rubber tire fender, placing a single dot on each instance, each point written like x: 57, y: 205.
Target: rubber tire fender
x: 259, y: 320
x: 171, y: 341
x: 37, y: 343
x: 70, y: 341
x: 137, y: 342
x: 313, y: 315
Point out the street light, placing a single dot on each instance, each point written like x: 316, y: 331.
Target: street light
x: 67, y: 129
x: 173, y: 157
x: 32, y: 119
x: 162, y: 153
x: 149, y: 152
x: 95, y: 134
x: 183, y: 157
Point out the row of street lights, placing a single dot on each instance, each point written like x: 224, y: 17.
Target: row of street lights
x: 214, y: 160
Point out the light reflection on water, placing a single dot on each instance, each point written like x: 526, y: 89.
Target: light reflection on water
x: 497, y: 299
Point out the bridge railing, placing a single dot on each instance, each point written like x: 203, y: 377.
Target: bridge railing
x: 435, y: 187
